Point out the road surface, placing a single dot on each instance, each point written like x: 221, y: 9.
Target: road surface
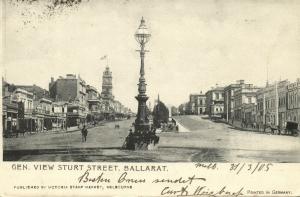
x: 207, y: 141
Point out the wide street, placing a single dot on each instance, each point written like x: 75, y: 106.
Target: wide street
x: 207, y: 141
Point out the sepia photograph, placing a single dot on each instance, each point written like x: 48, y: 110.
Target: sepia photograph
x: 151, y: 81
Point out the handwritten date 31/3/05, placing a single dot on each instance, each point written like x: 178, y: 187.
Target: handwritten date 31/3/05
x: 239, y: 167
x: 250, y: 167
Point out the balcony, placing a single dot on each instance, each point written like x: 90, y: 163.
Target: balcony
x: 77, y: 113
x: 10, y: 105
x: 28, y: 111
x: 60, y: 114
x: 37, y: 111
x: 93, y: 100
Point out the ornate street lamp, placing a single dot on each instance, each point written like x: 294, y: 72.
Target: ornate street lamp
x: 142, y: 136
x: 142, y: 36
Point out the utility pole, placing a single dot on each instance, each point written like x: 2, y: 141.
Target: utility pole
x: 264, y: 108
x: 276, y: 104
x: 227, y: 106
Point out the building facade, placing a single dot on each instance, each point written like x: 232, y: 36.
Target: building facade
x: 25, y: 97
x: 282, y: 91
x: 71, y: 89
x: 183, y: 108
x: 272, y: 103
x: 41, y: 113
x: 229, y: 99
x: 25, y: 109
x: 37, y: 91
x: 293, y: 103
x: 9, y: 109
x: 9, y: 116
x: 215, y: 102
x: 59, y: 115
x: 197, y: 104
x: 95, y: 104
x: 245, y: 103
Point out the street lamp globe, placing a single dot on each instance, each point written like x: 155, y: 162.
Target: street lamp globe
x: 142, y: 34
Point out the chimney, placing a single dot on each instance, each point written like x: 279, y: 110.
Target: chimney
x: 52, y: 79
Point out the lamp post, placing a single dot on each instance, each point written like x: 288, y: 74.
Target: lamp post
x: 142, y: 36
x: 142, y: 136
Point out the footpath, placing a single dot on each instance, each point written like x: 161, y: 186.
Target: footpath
x: 56, y: 130
x: 237, y: 125
x: 181, y: 128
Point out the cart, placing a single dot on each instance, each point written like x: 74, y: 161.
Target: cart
x: 292, y: 128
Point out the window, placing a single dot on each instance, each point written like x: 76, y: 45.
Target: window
x: 272, y: 103
x: 249, y: 99
x: 217, y: 95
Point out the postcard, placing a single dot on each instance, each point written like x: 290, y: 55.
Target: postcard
x: 150, y: 98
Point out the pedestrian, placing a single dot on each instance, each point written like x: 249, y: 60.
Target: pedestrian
x: 129, y: 141
x: 84, y: 133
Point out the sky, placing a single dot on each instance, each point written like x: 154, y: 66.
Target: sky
x: 194, y: 44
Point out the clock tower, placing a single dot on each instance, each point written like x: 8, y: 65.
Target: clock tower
x: 106, y: 93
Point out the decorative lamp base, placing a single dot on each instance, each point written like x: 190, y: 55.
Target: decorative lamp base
x: 141, y: 141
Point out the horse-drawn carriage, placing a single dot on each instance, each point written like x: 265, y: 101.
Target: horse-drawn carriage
x: 291, y: 128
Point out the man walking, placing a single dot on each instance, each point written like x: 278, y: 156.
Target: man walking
x: 84, y: 133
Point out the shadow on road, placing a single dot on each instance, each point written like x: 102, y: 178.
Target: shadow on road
x: 162, y: 154
x: 15, y: 155
x: 116, y: 154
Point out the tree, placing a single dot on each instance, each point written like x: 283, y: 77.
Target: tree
x: 160, y: 114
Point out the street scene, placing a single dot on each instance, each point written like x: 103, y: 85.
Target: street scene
x: 205, y: 141
x: 123, y: 90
